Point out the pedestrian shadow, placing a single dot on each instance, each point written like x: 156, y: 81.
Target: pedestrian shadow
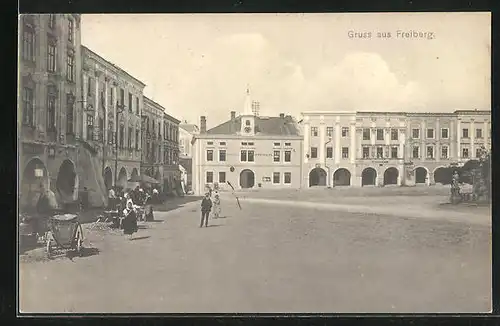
x: 213, y: 226
x: 142, y: 227
x: 156, y: 221
x: 140, y: 238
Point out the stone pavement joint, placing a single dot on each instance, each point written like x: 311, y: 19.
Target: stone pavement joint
x: 402, y: 211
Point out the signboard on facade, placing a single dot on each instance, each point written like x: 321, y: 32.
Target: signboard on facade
x: 379, y: 162
x: 33, y: 149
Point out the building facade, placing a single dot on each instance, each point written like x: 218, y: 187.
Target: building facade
x: 153, y: 140
x: 389, y: 148
x: 248, y: 151
x: 48, y: 108
x: 171, y: 171
x: 186, y: 133
x: 111, y: 123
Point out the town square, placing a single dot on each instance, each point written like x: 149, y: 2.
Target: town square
x: 254, y: 163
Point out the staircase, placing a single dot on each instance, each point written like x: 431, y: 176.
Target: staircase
x: 90, y: 174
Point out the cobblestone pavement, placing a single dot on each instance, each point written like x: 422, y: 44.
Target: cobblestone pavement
x: 270, y: 258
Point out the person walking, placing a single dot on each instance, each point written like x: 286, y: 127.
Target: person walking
x: 216, y: 205
x: 111, y: 199
x: 130, y: 219
x: 206, y: 207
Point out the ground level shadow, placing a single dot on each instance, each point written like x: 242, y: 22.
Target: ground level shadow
x: 175, y: 203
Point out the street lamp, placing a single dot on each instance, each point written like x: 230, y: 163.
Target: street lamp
x: 327, y: 167
x: 119, y: 109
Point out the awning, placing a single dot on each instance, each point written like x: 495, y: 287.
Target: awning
x: 143, y: 178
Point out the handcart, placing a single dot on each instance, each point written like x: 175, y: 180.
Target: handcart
x: 65, y: 232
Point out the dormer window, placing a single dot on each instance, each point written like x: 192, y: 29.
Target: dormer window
x: 247, y: 122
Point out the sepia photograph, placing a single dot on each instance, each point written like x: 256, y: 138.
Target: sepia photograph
x: 254, y: 163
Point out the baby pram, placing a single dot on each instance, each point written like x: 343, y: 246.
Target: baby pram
x: 65, y: 232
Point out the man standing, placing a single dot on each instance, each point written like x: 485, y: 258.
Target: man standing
x: 111, y: 199
x: 206, y: 206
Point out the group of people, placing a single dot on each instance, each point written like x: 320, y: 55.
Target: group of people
x: 210, y: 203
x: 127, y: 202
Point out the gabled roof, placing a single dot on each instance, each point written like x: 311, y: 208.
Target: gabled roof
x: 285, y: 126
x: 189, y: 127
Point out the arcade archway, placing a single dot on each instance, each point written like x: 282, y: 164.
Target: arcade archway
x: 420, y: 175
x: 66, y: 182
x: 108, y: 177
x: 247, y: 179
x: 35, y: 176
x: 368, y: 177
x: 317, y: 177
x: 342, y: 177
x: 391, y: 176
x: 443, y: 175
x: 122, y: 178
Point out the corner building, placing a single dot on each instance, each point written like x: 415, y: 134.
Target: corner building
x: 389, y: 148
x: 249, y: 151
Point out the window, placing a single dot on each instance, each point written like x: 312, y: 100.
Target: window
x: 430, y: 133
x: 222, y: 155
x: 52, y: 21
x: 277, y: 144
x: 210, y: 155
x: 288, y: 156
x: 100, y: 129
x: 51, y: 56
x: 69, y: 114
x: 314, y: 152
x: 465, y: 133
x: 276, y: 156
x: 314, y: 131
x: 288, y: 177
x: 222, y: 177
x: 478, y: 152
x: 416, y: 152
x: 137, y: 140
x: 159, y: 130
x: 329, y: 152
x: 479, y: 133
x: 380, y: 152
x: 70, y: 66
x: 366, y: 134
x: 394, y: 134
x: 288, y: 144
x: 444, y: 133
x: 366, y: 152
x: 137, y: 108
x: 111, y: 99
x: 243, y: 156
x: 250, y: 156
x: 380, y: 134
x: 90, y: 127
x: 345, y: 152
x: 394, y: 152
x: 210, y: 142
x: 247, y: 122
x: 329, y: 131
x: 51, y: 112
x: 345, y: 132
x: 222, y: 143
x: 210, y: 177
x: 415, y: 133
x: 129, y: 140
x: 122, y: 136
x: 430, y: 152
x: 29, y: 43
x: 130, y: 101
x: 276, y: 177
x: 250, y: 144
x: 122, y: 98
x: 70, y: 30
x: 465, y: 152
x: 111, y: 134
x: 28, y: 102
x: 444, y: 152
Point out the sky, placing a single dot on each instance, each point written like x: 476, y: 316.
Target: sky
x: 202, y: 64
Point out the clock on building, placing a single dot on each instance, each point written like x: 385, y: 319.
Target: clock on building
x: 248, y: 129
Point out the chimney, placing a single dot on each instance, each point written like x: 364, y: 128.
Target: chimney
x: 233, y: 115
x: 282, y: 115
x: 203, y: 124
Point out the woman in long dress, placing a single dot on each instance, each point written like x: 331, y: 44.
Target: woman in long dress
x: 216, y: 206
x: 130, y: 220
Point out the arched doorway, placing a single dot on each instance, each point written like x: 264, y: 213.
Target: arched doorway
x: 391, y: 176
x: 134, y: 175
x: 420, y: 175
x: 368, y: 177
x: 247, y: 179
x: 66, y: 182
x: 108, y: 178
x: 342, y: 177
x: 443, y: 175
x: 317, y: 177
x: 122, y: 178
x: 35, y: 175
